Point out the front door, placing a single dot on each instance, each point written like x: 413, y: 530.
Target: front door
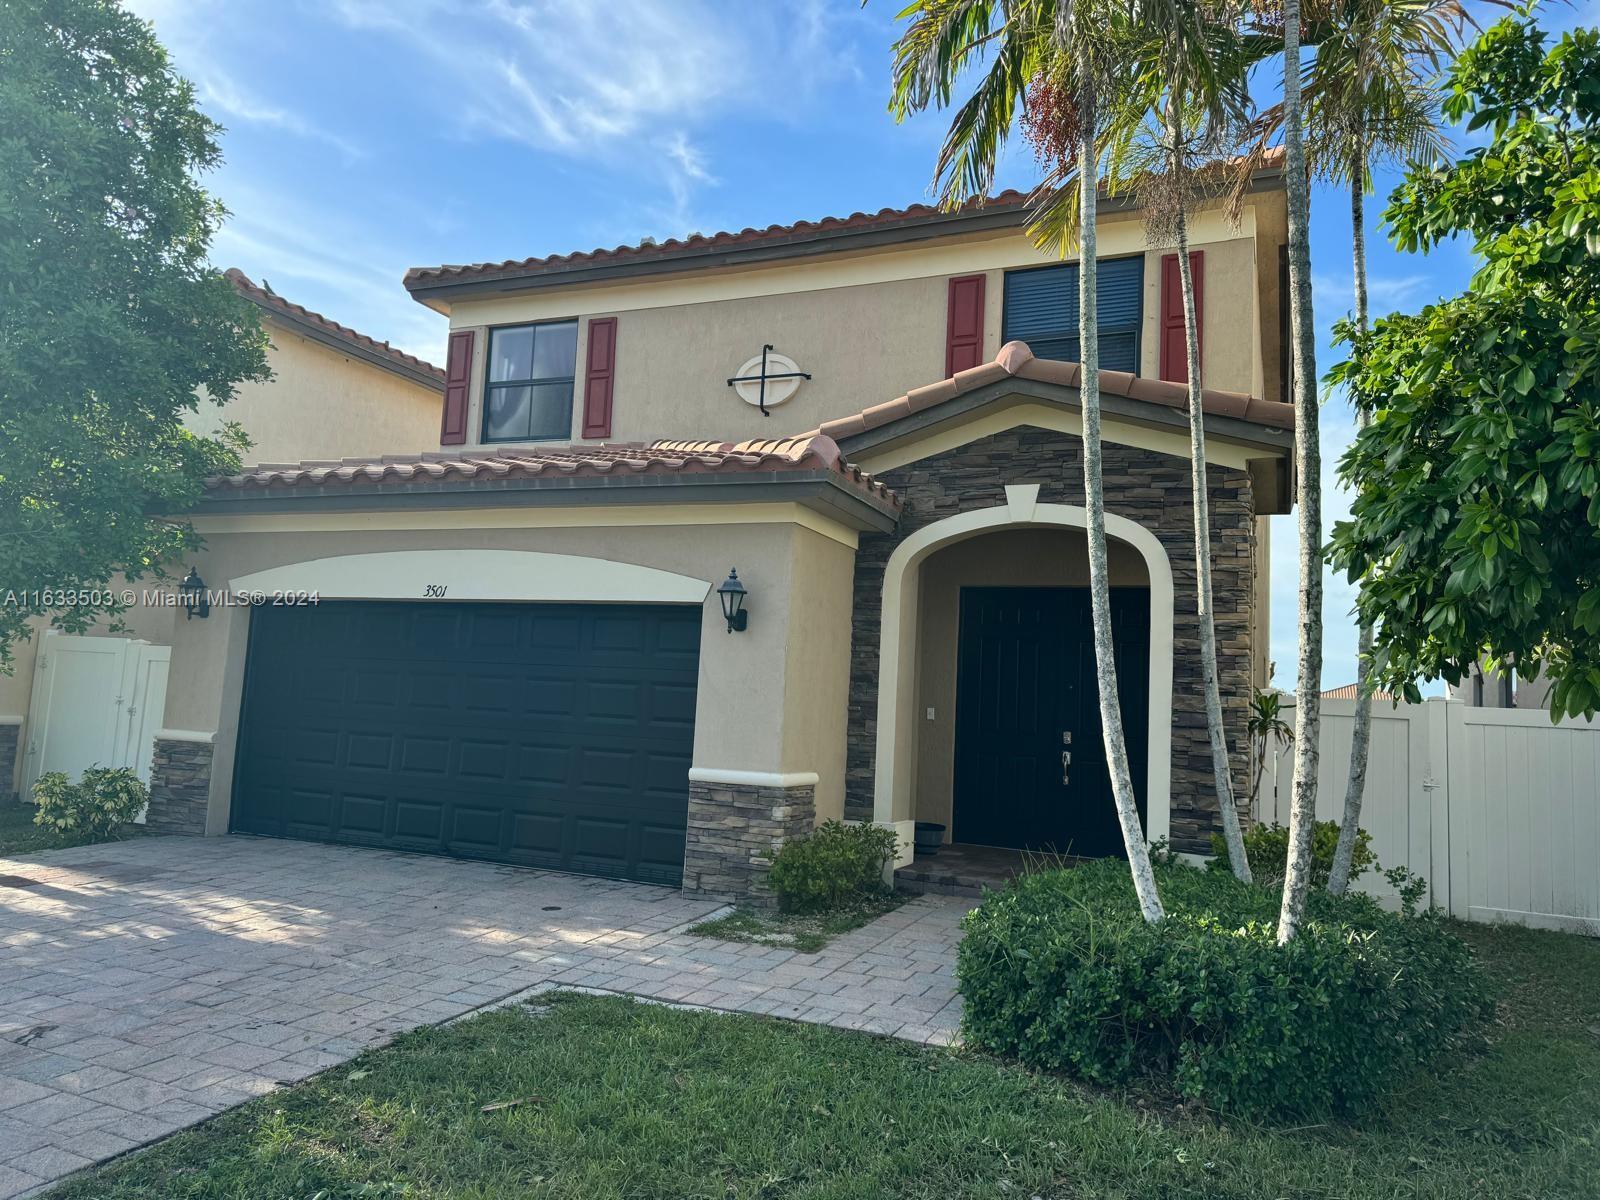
x: 1030, y: 765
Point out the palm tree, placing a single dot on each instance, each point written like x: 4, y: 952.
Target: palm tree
x: 1308, y: 493
x: 1200, y: 100
x: 1370, y: 96
x: 1069, y: 44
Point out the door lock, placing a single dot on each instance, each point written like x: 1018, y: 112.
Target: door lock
x: 1066, y: 737
x: 1066, y: 761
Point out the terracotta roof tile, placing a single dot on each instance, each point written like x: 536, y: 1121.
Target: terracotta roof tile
x: 1016, y: 360
x: 646, y: 251
x: 667, y: 458
x: 801, y: 231
x: 273, y: 303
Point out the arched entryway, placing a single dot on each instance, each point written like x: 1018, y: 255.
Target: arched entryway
x: 943, y: 587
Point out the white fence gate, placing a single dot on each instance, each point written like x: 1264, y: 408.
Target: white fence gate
x: 97, y: 701
x: 1499, y: 809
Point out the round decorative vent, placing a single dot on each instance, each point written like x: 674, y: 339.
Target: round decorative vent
x: 748, y: 380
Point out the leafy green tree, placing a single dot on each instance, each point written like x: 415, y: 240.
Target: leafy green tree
x: 111, y: 321
x: 1475, y: 530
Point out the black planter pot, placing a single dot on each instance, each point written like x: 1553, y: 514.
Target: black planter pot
x: 929, y: 837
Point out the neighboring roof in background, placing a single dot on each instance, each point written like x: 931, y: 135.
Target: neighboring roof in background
x: 859, y: 230
x: 1350, y: 692
x: 339, y: 337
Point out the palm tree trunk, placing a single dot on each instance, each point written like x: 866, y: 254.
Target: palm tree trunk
x: 1308, y: 495
x: 1221, y: 771
x: 1361, y: 739
x: 1144, y: 880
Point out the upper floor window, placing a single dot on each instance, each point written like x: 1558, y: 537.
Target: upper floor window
x: 1041, y: 308
x: 528, y: 394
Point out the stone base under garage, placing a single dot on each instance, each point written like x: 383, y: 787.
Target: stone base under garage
x: 180, y: 787
x: 734, y: 830
x: 10, y: 750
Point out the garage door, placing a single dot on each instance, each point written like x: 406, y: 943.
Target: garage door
x: 549, y: 735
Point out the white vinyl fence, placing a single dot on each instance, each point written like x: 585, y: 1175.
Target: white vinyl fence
x: 1499, y: 809
x: 97, y: 701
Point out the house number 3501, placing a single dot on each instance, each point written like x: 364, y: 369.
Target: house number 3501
x: 433, y: 591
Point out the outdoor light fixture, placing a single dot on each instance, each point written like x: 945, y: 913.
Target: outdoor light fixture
x: 732, y: 594
x: 192, y: 591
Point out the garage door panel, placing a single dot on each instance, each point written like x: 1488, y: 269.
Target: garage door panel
x: 363, y: 814
x: 537, y: 832
x: 419, y: 820
x: 546, y: 735
x: 424, y: 755
x: 370, y: 751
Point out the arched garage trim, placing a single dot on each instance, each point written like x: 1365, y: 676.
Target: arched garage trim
x: 476, y: 575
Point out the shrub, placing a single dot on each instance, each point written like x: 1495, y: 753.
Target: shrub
x: 1266, y: 848
x: 832, y: 867
x: 1060, y: 971
x: 98, y: 805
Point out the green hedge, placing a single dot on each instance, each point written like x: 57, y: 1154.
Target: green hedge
x: 834, y: 866
x: 1060, y: 971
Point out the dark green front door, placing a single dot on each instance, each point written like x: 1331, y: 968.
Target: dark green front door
x: 1026, y: 696
x: 549, y: 735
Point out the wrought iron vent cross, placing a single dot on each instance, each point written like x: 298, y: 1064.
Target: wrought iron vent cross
x: 764, y: 376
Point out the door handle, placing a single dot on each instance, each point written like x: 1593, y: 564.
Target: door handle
x: 1066, y: 761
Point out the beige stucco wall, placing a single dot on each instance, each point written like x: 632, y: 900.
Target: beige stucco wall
x: 768, y: 701
x: 869, y: 327
x: 1007, y: 558
x: 324, y: 404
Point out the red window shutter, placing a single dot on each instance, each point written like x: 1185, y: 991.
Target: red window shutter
x: 1174, y: 347
x: 600, y: 372
x: 457, y: 385
x: 963, y: 345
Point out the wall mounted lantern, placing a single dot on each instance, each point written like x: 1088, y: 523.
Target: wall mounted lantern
x: 732, y: 594
x: 192, y: 591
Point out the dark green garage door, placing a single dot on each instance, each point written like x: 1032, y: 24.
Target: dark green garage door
x: 550, y: 735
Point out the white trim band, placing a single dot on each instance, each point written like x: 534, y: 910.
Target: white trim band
x: 184, y: 735
x: 477, y: 575
x: 6, y: 720
x: 754, y: 778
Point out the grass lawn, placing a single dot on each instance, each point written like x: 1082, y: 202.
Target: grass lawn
x: 793, y: 931
x: 19, y: 835
x: 622, y: 1099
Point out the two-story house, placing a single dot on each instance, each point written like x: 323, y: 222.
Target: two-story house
x: 74, y: 702
x: 524, y: 647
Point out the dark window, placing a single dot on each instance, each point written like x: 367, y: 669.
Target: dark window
x: 1041, y: 308
x: 528, y: 395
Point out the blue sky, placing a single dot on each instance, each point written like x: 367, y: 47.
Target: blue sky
x: 368, y: 136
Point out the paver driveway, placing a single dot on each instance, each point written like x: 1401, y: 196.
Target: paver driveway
x: 145, y: 985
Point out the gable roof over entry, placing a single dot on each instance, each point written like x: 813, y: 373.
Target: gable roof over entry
x: 1017, y: 361
x: 1262, y: 429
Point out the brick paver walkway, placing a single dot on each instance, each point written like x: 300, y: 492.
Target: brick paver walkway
x: 146, y: 985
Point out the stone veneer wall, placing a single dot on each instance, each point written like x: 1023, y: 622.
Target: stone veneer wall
x: 1142, y: 485
x: 180, y: 787
x: 10, y: 748
x: 734, y: 828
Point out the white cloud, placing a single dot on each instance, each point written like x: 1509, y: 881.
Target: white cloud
x: 224, y: 97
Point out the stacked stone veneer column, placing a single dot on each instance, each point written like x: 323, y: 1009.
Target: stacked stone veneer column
x: 734, y: 829
x: 180, y: 786
x: 1147, y: 487
x: 10, y: 750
